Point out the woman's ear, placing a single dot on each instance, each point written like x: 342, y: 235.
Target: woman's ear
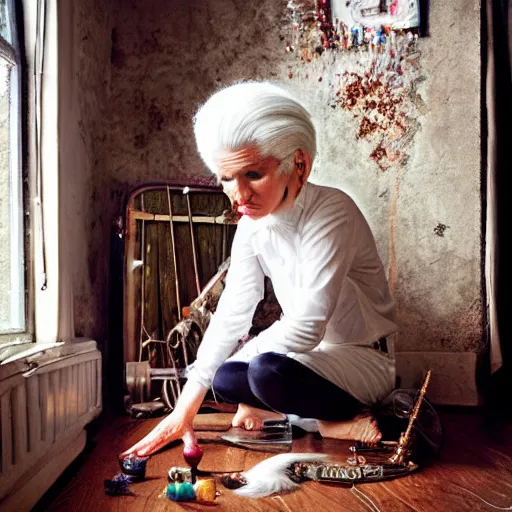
x: 302, y: 165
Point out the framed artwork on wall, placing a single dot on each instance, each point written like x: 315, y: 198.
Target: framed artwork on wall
x: 395, y: 14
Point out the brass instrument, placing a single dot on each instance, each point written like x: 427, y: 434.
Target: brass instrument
x: 405, y: 438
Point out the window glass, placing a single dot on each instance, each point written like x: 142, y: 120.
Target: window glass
x: 12, y: 289
x: 5, y: 26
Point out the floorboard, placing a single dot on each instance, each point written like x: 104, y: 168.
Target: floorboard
x: 473, y: 467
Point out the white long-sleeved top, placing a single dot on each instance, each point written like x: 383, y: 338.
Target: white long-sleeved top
x: 331, y: 285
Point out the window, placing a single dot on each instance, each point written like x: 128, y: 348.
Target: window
x: 13, y: 317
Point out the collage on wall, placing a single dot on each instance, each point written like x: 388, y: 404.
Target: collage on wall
x: 375, y: 68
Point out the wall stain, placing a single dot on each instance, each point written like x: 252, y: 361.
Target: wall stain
x: 386, y: 110
x: 155, y: 118
x: 140, y: 141
x: 117, y: 56
x: 440, y: 229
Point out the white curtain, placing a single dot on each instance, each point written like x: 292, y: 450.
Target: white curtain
x: 498, y: 103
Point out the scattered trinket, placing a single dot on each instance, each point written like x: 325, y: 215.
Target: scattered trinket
x: 193, y: 455
x: 133, y: 469
x: 182, y: 488
x: 134, y: 466
x: 179, y: 475
x: 119, y: 485
x: 206, y: 490
x: 181, y: 491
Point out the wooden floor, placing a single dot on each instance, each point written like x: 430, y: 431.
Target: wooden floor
x: 472, y: 464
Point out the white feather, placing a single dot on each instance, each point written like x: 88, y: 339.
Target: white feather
x: 270, y: 476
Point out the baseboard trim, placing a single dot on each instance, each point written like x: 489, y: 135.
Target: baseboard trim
x: 453, y: 375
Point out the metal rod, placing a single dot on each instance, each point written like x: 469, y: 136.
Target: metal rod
x: 399, y: 456
x: 186, y: 190
x: 184, y: 350
x: 176, y: 280
x: 418, y: 403
x: 200, y: 219
x: 224, y: 242
x: 143, y: 280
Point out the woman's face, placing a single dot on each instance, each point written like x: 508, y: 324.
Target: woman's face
x: 254, y: 184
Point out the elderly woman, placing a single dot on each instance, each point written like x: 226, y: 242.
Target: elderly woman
x: 326, y: 357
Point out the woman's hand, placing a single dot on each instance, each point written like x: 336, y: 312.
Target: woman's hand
x: 178, y: 425
x: 173, y: 427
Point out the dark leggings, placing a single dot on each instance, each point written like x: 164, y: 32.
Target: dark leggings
x: 278, y: 383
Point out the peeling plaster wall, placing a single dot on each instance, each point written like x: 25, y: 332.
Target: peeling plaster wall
x: 439, y: 283
x: 84, y: 80
x: 168, y: 56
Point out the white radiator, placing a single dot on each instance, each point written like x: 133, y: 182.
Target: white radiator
x: 46, y: 399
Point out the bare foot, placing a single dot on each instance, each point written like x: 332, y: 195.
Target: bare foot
x: 362, y: 428
x: 252, y: 418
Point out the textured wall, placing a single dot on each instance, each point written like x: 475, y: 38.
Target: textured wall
x: 84, y: 71
x: 439, y: 283
x: 167, y: 56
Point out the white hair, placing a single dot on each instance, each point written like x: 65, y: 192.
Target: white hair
x: 254, y: 113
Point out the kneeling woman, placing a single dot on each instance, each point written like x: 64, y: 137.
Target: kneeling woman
x: 323, y: 358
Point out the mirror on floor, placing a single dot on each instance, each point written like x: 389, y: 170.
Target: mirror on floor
x: 177, y: 246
